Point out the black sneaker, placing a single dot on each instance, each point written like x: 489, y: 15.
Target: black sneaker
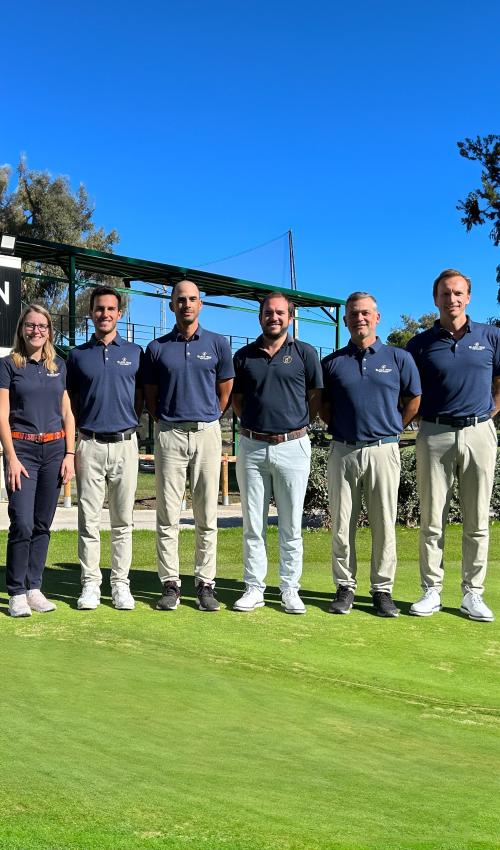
x: 206, y: 600
x: 342, y: 601
x: 170, y: 598
x: 384, y: 604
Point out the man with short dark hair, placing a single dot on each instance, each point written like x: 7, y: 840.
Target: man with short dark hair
x: 459, y: 364
x: 371, y: 392
x: 189, y: 377
x: 105, y: 386
x: 276, y: 394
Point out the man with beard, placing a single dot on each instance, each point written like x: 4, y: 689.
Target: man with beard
x: 189, y: 376
x: 105, y: 386
x: 277, y: 392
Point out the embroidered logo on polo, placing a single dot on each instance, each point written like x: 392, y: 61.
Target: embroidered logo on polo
x: 53, y: 374
x: 384, y: 369
x: 477, y: 347
x: 204, y: 356
x: 124, y: 362
x: 287, y: 359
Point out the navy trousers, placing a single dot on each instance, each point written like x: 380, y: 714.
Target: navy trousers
x: 31, y: 511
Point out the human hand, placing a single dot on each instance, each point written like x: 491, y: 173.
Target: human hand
x: 13, y: 472
x: 67, y: 468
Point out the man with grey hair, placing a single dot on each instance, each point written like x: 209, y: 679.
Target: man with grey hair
x: 371, y: 392
x: 459, y: 364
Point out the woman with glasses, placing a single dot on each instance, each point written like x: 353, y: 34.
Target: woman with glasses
x: 37, y: 432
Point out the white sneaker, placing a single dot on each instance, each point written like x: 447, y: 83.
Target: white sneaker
x: 291, y: 601
x: 38, y: 602
x: 428, y: 604
x: 90, y: 596
x: 252, y: 598
x: 122, y: 597
x: 473, y: 605
x: 18, y: 606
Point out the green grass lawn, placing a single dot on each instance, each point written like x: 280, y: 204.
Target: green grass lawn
x: 146, y: 729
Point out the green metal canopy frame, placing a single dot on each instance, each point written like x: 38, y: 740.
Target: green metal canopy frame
x: 71, y: 259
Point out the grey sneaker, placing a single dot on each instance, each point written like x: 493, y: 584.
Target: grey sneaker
x: 205, y: 598
x: 170, y: 598
x: 122, y: 598
x: 342, y: 601
x: 38, y: 602
x: 18, y: 606
x: 475, y: 608
x: 384, y: 604
x: 90, y: 596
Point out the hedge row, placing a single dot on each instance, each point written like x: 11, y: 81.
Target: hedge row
x: 316, y: 509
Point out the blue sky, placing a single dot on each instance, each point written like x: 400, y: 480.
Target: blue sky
x: 201, y: 129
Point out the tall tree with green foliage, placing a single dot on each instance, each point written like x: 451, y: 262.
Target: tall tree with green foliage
x: 44, y: 207
x: 410, y: 326
x: 483, y: 204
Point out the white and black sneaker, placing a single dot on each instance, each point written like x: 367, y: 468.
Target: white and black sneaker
x: 475, y: 608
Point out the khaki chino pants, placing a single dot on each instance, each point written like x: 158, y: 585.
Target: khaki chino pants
x: 374, y: 470
x: 469, y: 454
x: 181, y: 447
x: 98, y: 464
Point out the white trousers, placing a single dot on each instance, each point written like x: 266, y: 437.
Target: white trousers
x: 265, y: 469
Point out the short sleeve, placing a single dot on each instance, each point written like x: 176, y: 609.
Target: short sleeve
x: 314, y: 374
x: 225, y: 368
x: 150, y: 366
x: 5, y: 372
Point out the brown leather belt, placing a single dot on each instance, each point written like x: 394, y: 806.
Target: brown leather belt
x: 38, y: 438
x: 274, y: 438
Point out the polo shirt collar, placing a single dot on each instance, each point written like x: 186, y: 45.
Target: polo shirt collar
x: 181, y: 338
x: 440, y: 331
x: 117, y: 340
x: 374, y: 347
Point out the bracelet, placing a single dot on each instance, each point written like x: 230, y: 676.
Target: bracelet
x: 69, y: 453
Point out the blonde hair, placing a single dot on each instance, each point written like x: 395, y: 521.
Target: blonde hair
x: 19, y: 352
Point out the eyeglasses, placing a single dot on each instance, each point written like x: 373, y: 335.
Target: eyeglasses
x: 32, y: 326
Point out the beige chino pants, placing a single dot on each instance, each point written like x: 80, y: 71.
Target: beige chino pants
x: 183, y: 447
x: 374, y: 470
x: 98, y: 464
x: 469, y: 454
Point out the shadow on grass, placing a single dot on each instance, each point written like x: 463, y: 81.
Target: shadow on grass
x: 62, y: 583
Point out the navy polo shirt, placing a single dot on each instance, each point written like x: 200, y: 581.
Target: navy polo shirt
x: 35, y: 395
x: 275, y: 388
x: 457, y: 374
x: 186, y: 372
x: 363, y: 387
x: 105, y: 378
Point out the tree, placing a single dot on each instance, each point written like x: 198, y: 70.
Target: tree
x: 45, y: 207
x: 483, y: 204
x: 410, y: 326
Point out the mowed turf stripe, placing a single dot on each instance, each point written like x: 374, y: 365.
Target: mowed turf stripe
x: 138, y: 729
x: 142, y: 743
